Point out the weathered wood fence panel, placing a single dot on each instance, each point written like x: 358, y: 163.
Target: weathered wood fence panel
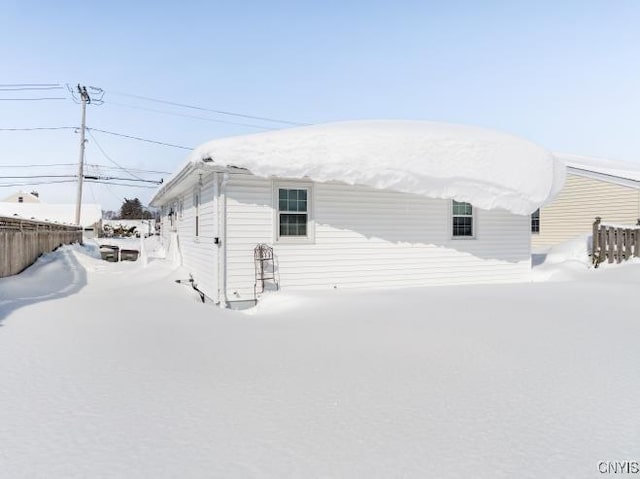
x: 614, y: 243
x: 23, y: 241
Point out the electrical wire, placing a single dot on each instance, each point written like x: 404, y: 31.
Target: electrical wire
x: 184, y: 115
x: 37, y: 176
x: 138, y: 170
x: 94, y: 165
x: 140, y: 139
x: 109, y: 158
x: 220, y: 112
x: 98, y: 177
x: 37, y: 166
x: 120, y: 184
x: 118, y: 197
x: 28, y: 84
x: 32, y: 183
x: 32, y: 99
x: 31, y: 88
x: 40, y: 128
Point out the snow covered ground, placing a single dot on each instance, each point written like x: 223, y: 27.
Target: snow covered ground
x: 114, y: 370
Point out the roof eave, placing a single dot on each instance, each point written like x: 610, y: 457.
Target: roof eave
x: 609, y: 178
x: 172, y: 188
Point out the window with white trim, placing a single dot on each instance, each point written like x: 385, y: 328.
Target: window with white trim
x: 461, y: 219
x: 293, y: 212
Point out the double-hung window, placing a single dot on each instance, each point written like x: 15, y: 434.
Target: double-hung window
x: 293, y: 222
x: 462, y: 219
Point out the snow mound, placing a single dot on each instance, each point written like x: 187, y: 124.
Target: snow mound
x: 487, y: 168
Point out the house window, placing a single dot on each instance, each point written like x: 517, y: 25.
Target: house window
x: 293, y: 213
x: 535, y: 221
x: 462, y: 219
x: 196, y: 205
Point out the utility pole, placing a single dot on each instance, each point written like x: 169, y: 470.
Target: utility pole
x: 84, y: 99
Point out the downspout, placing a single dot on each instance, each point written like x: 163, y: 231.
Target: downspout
x: 221, y: 183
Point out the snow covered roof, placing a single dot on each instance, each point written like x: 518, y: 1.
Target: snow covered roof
x: 28, y: 197
x: 614, y: 171
x: 487, y: 168
x: 60, y: 213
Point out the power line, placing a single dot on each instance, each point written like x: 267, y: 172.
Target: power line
x: 141, y: 139
x: 94, y: 165
x: 41, y: 128
x: 92, y: 177
x: 220, y: 112
x: 28, y: 84
x: 36, y: 183
x: 32, y: 99
x: 33, y: 183
x: 120, y: 198
x: 121, y: 184
x: 30, y: 88
x: 37, y: 176
x: 108, y: 157
x: 138, y: 170
x: 184, y: 115
x: 37, y: 166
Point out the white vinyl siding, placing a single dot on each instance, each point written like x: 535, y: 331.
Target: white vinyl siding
x: 573, y: 212
x: 198, y: 252
x: 371, y: 238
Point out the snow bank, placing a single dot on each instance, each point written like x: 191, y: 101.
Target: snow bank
x: 602, y: 166
x: 134, y: 377
x: 570, y: 261
x: 487, y: 168
x: 565, y: 261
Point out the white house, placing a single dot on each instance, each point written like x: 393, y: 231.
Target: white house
x: 594, y: 187
x: 367, y: 204
x: 23, y: 197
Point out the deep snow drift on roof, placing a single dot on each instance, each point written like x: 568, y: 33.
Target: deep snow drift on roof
x: 487, y: 168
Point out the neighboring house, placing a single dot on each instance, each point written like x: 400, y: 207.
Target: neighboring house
x: 594, y: 187
x: 370, y: 204
x: 23, y: 197
x: 90, y: 217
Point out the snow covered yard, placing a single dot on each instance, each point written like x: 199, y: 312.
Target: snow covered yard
x: 114, y: 370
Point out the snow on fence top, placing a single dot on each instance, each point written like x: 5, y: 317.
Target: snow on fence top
x: 487, y: 168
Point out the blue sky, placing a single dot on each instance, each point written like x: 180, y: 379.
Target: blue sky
x: 563, y: 74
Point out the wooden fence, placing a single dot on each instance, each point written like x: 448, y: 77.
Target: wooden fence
x: 614, y: 243
x: 22, y: 241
